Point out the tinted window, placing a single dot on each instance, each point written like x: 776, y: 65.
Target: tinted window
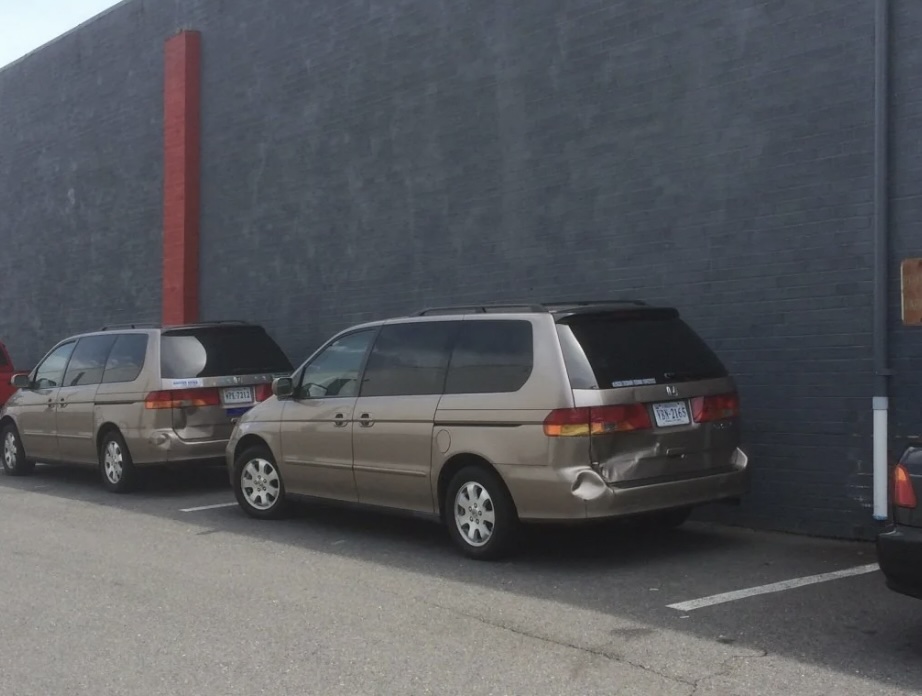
x: 335, y: 371
x: 491, y: 356
x: 51, y: 371
x: 126, y: 358
x: 409, y: 359
x: 88, y: 361
x: 639, y: 348
x: 220, y: 351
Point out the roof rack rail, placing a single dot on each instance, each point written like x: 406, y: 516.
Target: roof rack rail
x: 135, y: 325
x: 525, y: 307
x: 216, y: 322
x: 593, y: 303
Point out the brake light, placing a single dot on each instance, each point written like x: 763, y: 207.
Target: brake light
x: 182, y: 398
x: 904, y: 495
x: 598, y: 420
x: 706, y: 409
x: 263, y: 392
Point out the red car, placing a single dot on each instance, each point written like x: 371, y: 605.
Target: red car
x: 6, y: 373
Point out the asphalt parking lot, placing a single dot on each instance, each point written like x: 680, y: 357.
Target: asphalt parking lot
x: 173, y: 590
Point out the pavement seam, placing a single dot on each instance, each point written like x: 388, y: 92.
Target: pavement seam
x: 599, y: 652
x: 727, y: 668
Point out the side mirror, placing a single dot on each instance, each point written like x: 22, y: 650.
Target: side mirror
x: 21, y: 381
x: 283, y: 387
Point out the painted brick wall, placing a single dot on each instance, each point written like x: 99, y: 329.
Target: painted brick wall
x: 714, y: 155
x: 80, y: 182
x: 906, y: 212
x: 362, y: 159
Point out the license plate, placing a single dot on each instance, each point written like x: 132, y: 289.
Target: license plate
x: 671, y: 413
x: 234, y: 396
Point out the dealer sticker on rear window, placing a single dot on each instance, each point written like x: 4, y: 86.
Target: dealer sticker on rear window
x: 187, y: 383
x: 634, y: 383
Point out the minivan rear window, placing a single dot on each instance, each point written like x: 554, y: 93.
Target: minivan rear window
x: 639, y: 348
x: 220, y: 351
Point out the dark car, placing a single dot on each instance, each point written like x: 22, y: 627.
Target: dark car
x: 899, y: 549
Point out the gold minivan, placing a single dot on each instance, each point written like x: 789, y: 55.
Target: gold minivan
x: 133, y: 396
x: 490, y: 416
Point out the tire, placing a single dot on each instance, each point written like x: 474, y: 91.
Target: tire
x: 116, y: 467
x: 12, y: 453
x: 480, y: 514
x: 258, y: 484
x: 671, y: 519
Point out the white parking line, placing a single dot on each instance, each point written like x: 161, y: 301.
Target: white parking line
x: 774, y: 587
x: 208, y: 507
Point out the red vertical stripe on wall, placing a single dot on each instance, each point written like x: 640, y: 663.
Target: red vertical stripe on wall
x: 181, y: 187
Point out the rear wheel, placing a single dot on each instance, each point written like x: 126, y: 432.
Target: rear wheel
x: 116, y: 468
x: 258, y: 484
x: 480, y: 514
x: 14, y: 456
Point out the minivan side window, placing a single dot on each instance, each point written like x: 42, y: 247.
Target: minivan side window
x: 490, y: 357
x: 126, y: 360
x: 88, y: 361
x: 410, y: 359
x: 50, y: 373
x: 335, y: 371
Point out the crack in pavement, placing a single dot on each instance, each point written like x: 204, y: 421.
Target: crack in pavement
x: 727, y: 668
x: 729, y: 665
x: 598, y: 652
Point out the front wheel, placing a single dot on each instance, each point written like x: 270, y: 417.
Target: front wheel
x: 258, y: 484
x: 14, y: 456
x: 480, y: 514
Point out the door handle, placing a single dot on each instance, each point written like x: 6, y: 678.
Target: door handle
x: 365, y: 421
x: 339, y: 420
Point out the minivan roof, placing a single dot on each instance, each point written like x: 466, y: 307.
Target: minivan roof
x: 173, y: 327
x: 558, y: 309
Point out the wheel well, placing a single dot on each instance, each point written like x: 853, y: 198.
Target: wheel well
x: 248, y: 441
x: 5, y: 420
x: 454, y: 465
x: 104, y: 430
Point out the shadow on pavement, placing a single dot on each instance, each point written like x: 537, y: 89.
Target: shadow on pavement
x: 608, y: 568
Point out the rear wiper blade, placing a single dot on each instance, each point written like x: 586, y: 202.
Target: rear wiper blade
x: 683, y: 376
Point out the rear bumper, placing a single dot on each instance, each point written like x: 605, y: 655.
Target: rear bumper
x: 899, y: 553
x: 580, y: 493
x: 166, y: 447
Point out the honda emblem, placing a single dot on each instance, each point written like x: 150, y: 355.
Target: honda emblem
x: 671, y: 390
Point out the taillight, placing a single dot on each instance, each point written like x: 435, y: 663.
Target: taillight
x: 904, y: 495
x: 706, y: 409
x: 598, y: 420
x: 263, y: 392
x: 183, y: 398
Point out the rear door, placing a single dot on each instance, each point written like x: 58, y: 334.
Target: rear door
x: 392, y: 436
x: 212, y: 374
x: 75, y: 420
x: 663, y: 407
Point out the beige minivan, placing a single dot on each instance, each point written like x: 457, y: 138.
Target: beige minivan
x: 491, y: 416
x: 133, y: 396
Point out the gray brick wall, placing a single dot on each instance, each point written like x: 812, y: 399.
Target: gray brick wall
x: 80, y: 183
x: 362, y: 158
